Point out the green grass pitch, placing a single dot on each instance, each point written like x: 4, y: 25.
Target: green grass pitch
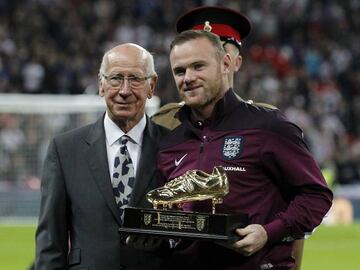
x: 333, y: 247
x: 330, y: 248
x: 17, y: 247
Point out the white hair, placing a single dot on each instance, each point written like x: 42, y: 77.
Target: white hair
x: 147, y: 56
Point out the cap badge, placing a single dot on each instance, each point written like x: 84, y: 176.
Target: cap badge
x: 207, y: 26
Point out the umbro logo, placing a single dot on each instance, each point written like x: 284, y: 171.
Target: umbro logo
x: 178, y: 161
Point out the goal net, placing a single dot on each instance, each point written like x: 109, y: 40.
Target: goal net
x: 27, y: 124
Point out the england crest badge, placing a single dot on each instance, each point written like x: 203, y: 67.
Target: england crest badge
x: 232, y: 147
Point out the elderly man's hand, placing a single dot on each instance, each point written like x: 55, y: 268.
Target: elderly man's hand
x: 253, y: 238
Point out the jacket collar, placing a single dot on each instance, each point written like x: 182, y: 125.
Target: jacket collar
x: 223, y: 107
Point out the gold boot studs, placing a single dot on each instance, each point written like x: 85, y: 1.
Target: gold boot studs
x: 194, y: 185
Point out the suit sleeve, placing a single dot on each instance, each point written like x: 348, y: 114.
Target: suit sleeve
x: 52, y: 230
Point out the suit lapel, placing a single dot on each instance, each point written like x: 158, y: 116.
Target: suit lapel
x: 146, y: 167
x: 97, y: 159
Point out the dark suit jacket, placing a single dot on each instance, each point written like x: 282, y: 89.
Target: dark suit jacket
x: 78, y: 203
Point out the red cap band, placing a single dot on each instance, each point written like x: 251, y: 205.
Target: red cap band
x: 222, y: 30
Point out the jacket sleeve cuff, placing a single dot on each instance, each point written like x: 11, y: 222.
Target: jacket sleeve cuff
x: 276, y: 230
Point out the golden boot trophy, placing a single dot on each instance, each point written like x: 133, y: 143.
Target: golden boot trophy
x: 194, y: 185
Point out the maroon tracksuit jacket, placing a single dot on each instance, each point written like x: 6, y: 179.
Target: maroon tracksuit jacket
x: 272, y: 176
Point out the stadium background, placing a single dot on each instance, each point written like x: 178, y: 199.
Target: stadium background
x: 301, y: 56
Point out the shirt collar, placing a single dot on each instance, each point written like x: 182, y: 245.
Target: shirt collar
x: 113, y: 132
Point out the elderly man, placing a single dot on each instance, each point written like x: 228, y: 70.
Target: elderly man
x: 92, y: 173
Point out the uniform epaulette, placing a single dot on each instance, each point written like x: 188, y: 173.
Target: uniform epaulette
x: 165, y: 116
x: 169, y: 107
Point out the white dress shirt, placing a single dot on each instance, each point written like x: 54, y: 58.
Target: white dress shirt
x: 113, y: 134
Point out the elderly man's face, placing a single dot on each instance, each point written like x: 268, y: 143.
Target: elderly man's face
x: 125, y: 86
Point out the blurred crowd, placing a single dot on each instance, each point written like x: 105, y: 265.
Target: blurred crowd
x: 301, y: 56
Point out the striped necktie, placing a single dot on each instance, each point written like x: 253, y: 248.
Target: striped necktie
x: 123, y: 176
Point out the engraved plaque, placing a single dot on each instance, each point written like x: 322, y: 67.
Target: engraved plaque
x: 174, y: 221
